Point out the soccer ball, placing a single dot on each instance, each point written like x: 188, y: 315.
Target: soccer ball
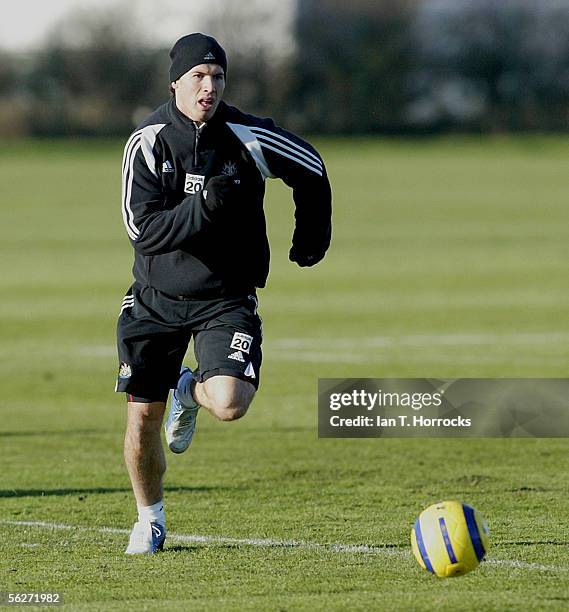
x: 449, y: 539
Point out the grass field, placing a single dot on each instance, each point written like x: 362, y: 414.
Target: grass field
x: 449, y: 260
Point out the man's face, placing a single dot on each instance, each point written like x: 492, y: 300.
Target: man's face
x: 199, y: 91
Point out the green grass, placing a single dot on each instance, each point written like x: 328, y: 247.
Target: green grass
x: 449, y: 260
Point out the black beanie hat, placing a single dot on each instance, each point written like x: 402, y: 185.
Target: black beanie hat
x: 195, y: 49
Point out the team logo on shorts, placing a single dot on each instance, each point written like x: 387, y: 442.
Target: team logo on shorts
x: 125, y: 371
x: 194, y: 183
x: 241, y: 342
x: 250, y: 371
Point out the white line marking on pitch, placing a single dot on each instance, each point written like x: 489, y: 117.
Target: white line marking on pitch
x: 525, y: 565
x: 199, y: 539
x: 320, y: 347
x: 269, y: 543
x: 418, y: 340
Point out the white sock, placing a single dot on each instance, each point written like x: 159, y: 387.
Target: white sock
x: 153, y: 514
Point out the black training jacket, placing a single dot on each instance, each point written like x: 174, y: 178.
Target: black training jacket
x: 179, y: 249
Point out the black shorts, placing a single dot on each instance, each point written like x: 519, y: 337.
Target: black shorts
x: 154, y: 331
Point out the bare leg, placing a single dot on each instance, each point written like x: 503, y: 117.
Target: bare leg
x: 226, y: 397
x: 143, y: 452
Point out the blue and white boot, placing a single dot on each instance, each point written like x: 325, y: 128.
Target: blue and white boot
x: 181, y: 423
x: 146, y: 538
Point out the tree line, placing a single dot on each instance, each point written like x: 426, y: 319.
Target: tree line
x: 358, y: 67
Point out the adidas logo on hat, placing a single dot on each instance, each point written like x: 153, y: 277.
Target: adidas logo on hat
x: 209, y: 56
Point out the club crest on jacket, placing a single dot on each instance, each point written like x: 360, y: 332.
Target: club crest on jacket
x: 229, y: 168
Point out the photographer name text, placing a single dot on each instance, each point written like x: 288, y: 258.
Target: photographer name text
x: 361, y: 400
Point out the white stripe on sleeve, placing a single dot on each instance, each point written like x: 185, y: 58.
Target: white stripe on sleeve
x: 149, y: 134
x: 299, y: 158
x: 279, y: 137
x: 127, y: 147
x: 143, y: 139
x: 127, y: 213
x: 250, y: 141
x: 125, y: 306
x: 293, y: 158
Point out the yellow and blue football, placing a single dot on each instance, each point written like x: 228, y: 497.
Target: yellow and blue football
x: 449, y: 539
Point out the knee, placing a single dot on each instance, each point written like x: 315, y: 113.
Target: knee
x: 228, y: 410
x: 230, y: 413
x: 226, y: 397
x: 226, y: 406
x: 144, y: 418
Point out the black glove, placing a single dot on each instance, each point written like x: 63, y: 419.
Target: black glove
x: 219, y: 191
x: 305, y: 260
